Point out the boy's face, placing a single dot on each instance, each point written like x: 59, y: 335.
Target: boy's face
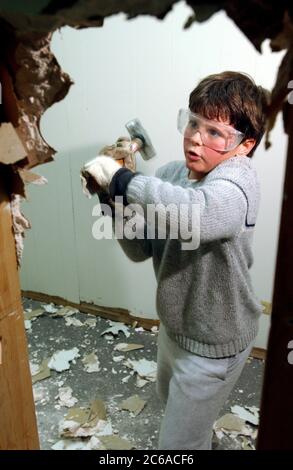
x: 201, y: 159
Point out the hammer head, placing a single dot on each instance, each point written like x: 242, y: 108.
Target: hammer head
x: 136, y: 131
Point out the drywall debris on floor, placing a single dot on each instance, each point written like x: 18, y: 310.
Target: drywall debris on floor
x: 126, y: 379
x: 133, y: 404
x: 71, y: 428
x: 251, y: 415
x: 69, y: 321
x: 91, y: 322
x: 145, y: 369
x: 116, y: 443
x: 230, y: 422
x: 85, y: 422
x: 78, y: 444
x: 235, y: 426
x: 91, y: 363
x: 77, y: 429
x: 118, y: 358
x: 94, y: 443
x: 140, y: 382
x: 115, y: 382
x: 50, y: 308
x: 140, y: 329
x: 41, y: 394
x: 115, y: 328
x: 65, y: 398
x: 60, y: 360
x: 34, y: 368
x: 64, y: 312
x: 40, y: 372
x: 28, y: 324
x: 125, y: 347
x: 246, y: 444
x: 32, y: 315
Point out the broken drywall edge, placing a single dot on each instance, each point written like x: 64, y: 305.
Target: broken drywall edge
x: 19, y: 224
x: 12, y: 150
x: 31, y: 178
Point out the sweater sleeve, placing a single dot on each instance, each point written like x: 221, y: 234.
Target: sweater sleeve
x: 136, y: 249
x: 222, y: 205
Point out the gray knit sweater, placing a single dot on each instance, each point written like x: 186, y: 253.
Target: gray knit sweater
x: 204, y: 297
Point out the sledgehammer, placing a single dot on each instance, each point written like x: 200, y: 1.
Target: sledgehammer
x: 123, y: 154
x: 140, y: 141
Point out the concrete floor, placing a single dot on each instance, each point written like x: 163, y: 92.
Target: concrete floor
x: 47, y: 335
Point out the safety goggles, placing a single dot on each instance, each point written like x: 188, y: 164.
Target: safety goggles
x: 214, y: 135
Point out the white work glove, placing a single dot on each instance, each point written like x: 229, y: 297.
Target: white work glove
x: 121, y: 151
x: 102, y: 169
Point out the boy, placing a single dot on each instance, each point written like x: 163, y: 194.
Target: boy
x: 205, y: 301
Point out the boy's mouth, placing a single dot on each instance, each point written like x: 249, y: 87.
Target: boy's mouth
x: 193, y: 155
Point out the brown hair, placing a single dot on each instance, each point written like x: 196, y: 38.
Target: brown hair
x: 232, y: 96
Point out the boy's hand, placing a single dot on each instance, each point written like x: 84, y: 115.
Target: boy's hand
x: 96, y: 175
x: 122, y: 152
x: 101, y: 169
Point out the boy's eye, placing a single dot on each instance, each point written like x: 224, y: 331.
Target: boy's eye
x: 214, y: 132
x: 193, y: 125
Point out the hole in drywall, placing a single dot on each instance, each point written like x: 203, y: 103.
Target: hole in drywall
x: 146, y: 73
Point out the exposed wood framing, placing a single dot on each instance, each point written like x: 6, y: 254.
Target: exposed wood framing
x: 275, y: 430
x: 18, y: 428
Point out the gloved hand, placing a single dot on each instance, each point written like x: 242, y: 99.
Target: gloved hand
x: 121, y: 151
x: 96, y: 179
x: 101, y: 169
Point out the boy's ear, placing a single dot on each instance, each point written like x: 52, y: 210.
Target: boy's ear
x: 246, y: 146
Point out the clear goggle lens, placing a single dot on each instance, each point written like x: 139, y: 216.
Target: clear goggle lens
x: 215, y: 136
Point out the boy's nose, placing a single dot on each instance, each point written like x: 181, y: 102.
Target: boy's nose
x: 196, y: 138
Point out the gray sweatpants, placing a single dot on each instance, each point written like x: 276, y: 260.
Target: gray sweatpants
x: 193, y: 390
